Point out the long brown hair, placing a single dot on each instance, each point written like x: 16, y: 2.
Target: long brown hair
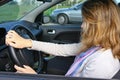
x: 101, y: 20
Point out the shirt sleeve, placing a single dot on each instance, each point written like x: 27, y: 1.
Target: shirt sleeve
x: 56, y: 49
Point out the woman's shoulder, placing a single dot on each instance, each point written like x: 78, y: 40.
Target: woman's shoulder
x: 103, y: 54
x: 104, y: 57
x: 102, y: 63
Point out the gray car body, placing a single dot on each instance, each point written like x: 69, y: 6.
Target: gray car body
x: 73, y: 13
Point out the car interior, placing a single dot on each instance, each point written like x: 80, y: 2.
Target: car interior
x: 32, y: 26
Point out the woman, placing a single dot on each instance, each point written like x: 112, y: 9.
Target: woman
x: 97, y: 54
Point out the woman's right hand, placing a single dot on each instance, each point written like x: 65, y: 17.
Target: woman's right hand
x: 15, y: 40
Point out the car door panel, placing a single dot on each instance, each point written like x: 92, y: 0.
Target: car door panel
x: 61, y: 33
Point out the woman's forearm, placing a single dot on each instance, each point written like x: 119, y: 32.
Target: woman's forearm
x: 56, y: 49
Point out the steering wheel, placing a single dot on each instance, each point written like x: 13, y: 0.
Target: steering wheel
x: 24, y: 56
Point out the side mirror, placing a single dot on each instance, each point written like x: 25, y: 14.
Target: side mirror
x: 46, y: 19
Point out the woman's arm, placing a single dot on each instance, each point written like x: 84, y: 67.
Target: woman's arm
x: 15, y: 40
x: 56, y: 49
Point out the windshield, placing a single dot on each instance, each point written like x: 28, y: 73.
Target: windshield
x: 16, y: 9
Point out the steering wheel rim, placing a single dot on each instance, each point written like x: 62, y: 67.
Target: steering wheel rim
x: 24, y: 56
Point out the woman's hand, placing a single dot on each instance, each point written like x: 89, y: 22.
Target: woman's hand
x: 26, y: 69
x: 15, y: 40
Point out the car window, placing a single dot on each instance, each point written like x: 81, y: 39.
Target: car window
x: 64, y: 13
x: 16, y: 9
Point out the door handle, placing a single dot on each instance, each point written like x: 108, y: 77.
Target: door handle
x: 51, y: 32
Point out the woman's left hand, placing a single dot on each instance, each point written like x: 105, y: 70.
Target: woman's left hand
x: 26, y: 69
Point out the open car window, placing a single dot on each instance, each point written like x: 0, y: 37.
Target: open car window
x: 65, y: 12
